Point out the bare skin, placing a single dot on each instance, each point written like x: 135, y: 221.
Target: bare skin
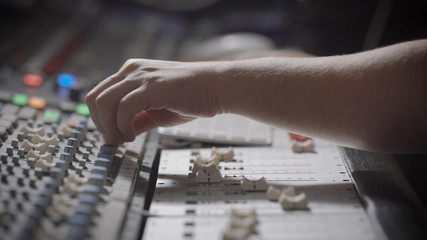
x: 374, y: 100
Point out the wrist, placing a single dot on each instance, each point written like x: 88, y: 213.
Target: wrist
x: 233, y: 83
x: 221, y: 83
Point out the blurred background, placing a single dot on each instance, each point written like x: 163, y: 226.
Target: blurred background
x: 90, y: 39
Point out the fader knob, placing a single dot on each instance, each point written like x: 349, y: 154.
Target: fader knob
x: 80, y: 220
x: 88, y: 199
x: 27, y: 145
x: 52, y: 141
x: 107, y: 148
x: 42, y: 147
x: 96, y: 179
x: 273, y: 193
x: 70, y: 149
x: 91, y: 189
x: 99, y: 170
x: 104, y: 162
x: 253, y: 184
x: 85, y: 209
x: 62, y: 164
x: 66, y: 131
x: 226, y: 155
x: 77, y: 134
x: 73, y: 142
x: 57, y: 173
x: 81, y: 128
x: 107, y: 155
x: 243, y: 213
x: 37, y: 139
x: 298, y: 202
x: 67, y: 157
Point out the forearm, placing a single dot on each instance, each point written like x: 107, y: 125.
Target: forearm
x: 374, y: 100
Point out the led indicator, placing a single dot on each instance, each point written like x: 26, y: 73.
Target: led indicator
x: 298, y: 138
x: 52, y: 115
x: 37, y: 102
x: 82, y: 109
x: 66, y: 80
x: 19, y: 99
x: 33, y: 80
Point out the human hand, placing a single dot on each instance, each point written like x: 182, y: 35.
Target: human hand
x: 145, y: 94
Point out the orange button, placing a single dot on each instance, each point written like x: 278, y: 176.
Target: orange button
x: 37, y: 102
x: 33, y: 80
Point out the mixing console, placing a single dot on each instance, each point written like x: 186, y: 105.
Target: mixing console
x: 59, y: 180
x: 57, y: 176
x: 203, y: 209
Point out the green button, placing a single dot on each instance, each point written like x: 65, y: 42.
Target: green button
x: 54, y: 116
x: 20, y: 99
x: 82, y: 109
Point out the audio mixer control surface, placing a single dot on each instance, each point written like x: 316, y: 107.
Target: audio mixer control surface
x: 57, y: 176
x: 60, y: 181
x: 226, y: 177
x: 289, y: 196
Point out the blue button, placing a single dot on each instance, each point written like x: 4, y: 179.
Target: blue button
x: 66, y: 80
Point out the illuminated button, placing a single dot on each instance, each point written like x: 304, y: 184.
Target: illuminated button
x: 37, y: 102
x: 82, y: 109
x: 33, y: 80
x: 51, y: 115
x: 298, y: 138
x: 66, y: 80
x: 19, y: 99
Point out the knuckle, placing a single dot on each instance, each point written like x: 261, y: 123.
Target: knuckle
x: 89, y: 97
x: 101, y: 100
x: 130, y: 64
x: 123, y: 103
x: 130, y: 61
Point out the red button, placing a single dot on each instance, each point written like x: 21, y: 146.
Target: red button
x: 33, y: 80
x: 298, y: 138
